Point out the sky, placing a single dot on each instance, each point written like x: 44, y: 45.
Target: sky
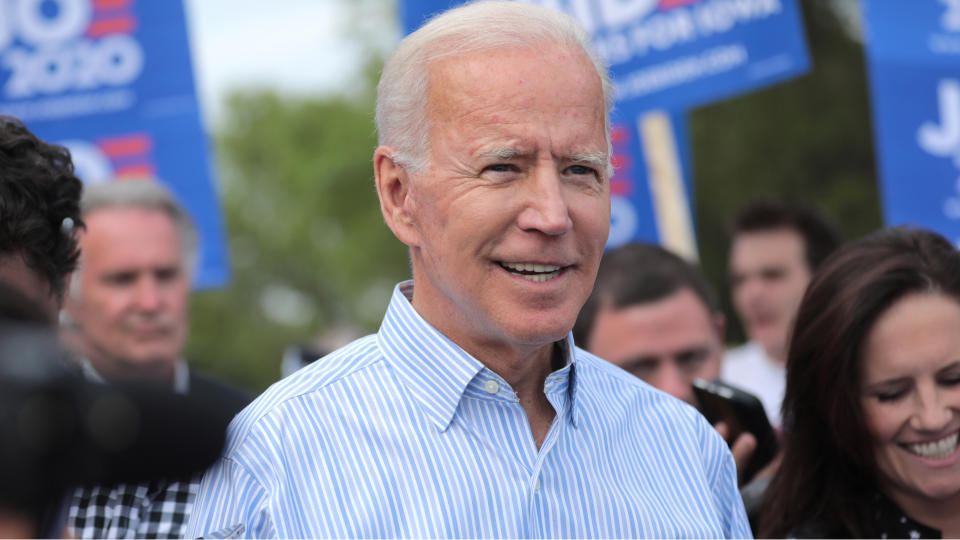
x: 295, y: 47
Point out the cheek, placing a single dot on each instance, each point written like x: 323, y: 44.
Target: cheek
x: 591, y: 210
x: 882, y: 424
x: 736, y: 293
x: 104, y: 307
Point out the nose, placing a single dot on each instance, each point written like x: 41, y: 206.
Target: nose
x: 750, y: 288
x: 674, y: 382
x: 546, y: 207
x: 148, y: 295
x: 932, y: 412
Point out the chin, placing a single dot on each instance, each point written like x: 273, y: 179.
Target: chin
x: 939, y: 492
x: 152, y: 357
x: 541, y: 334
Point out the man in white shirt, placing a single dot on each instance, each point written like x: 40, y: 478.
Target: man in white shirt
x: 775, y: 250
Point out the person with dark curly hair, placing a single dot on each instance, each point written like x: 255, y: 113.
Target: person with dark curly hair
x: 39, y: 212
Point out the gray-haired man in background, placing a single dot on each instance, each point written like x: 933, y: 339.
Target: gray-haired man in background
x: 127, y: 320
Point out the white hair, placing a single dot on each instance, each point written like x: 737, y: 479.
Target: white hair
x: 402, y: 121
x: 142, y: 194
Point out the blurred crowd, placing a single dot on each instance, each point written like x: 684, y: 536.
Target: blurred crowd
x: 502, y: 396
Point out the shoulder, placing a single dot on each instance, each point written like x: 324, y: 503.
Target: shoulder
x: 614, y: 388
x: 231, y: 396
x: 812, y: 528
x: 743, y: 362
x: 748, y: 352
x: 283, y: 400
x: 652, y: 420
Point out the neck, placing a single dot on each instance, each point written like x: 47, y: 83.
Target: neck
x: 526, y: 374
x: 159, y: 371
x: 776, y: 353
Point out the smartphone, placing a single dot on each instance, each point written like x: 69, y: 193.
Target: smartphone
x: 741, y: 411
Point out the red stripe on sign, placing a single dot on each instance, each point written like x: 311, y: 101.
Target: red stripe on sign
x: 138, y: 171
x: 621, y: 187
x: 125, y: 146
x: 111, y: 4
x: 670, y: 4
x: 103, y: 27
x: 619, y: 161
x: 619, y: 134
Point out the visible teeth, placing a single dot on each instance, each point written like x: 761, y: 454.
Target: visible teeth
x: 542, y: 272
x: 539, y: 278
x: 530, y: 267
x: 936, y: 449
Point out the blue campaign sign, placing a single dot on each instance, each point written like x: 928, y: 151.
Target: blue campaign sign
x: 674, y: 54
x: 112, y: 80
x: 651, y: 194
x: 914, y: 61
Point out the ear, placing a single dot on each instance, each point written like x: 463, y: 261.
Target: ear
x: 396, y: 201
x: 720, y: 325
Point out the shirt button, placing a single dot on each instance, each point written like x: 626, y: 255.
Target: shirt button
x: 491, y: 386
x: 537, y: 486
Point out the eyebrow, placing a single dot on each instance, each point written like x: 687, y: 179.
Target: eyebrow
x: 500, y: 152
x: 597, y: 159
x: 878, y: 387
x: 638, y: 361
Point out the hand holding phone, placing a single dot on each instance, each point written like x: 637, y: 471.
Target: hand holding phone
x: 740, y: 413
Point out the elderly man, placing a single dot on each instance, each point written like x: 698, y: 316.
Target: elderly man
x: 127, y: 321
x: 470, y: 413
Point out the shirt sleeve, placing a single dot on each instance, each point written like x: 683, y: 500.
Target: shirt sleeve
x: 230, y: 504
x: 722, y: 474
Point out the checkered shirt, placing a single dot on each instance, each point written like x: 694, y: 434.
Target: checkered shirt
x: 158, y: 509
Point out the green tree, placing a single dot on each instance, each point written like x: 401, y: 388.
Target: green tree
x: 308, y: 244
x: 807, y: 140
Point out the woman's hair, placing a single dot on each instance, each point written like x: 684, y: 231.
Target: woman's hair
x: 828, y: 462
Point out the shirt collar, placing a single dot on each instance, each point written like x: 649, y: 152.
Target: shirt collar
x: 437, y: 372
x: 181, y: 374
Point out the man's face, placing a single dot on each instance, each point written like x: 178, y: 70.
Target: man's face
x: 770, y: 274
x: 512, y: 216
x: 131, y: 306
x: 667, y: 343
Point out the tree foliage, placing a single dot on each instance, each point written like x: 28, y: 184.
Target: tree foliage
x: 807, y: 140
x: 308, y: 244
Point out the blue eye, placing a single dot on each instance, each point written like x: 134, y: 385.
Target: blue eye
x: 580, y: 170
x: 501, y: 167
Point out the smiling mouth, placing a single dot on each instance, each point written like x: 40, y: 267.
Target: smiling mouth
x: 537, y: 273
x: 936, y: 449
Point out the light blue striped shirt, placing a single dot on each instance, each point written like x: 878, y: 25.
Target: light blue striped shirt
x: 404, y: 434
